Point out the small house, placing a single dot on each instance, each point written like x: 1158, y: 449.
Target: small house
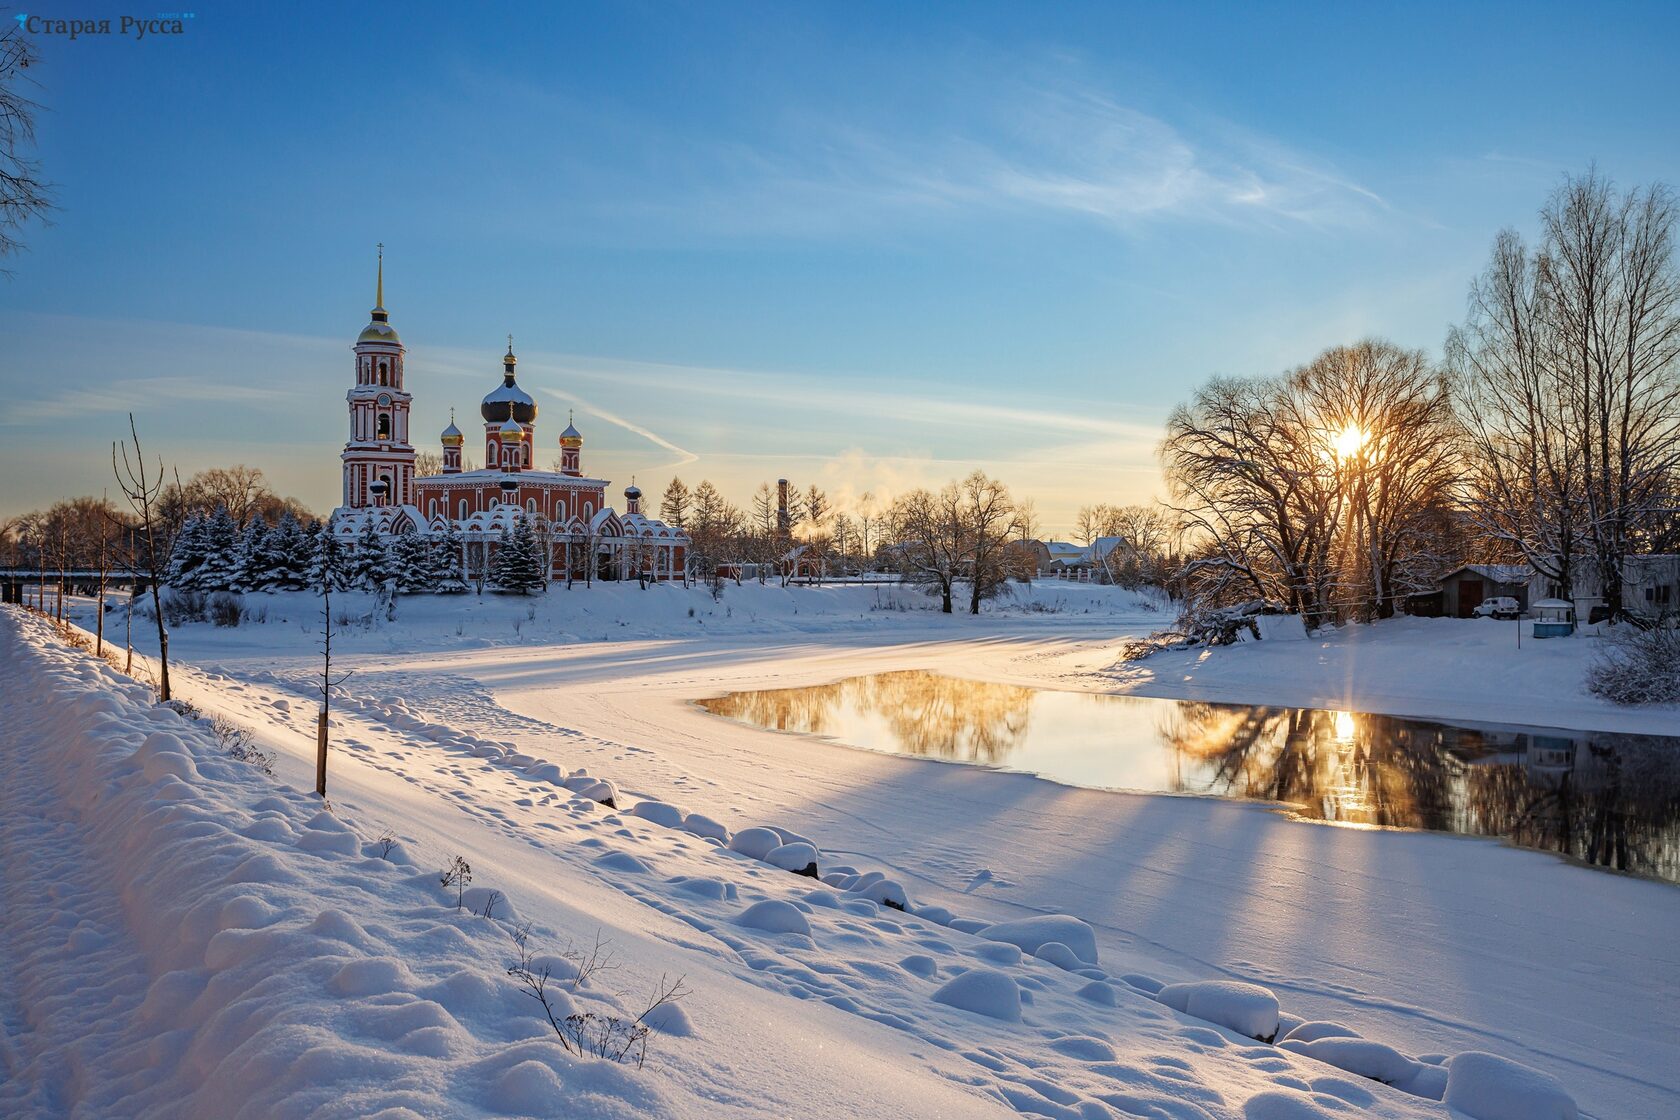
x: 1463, y: 589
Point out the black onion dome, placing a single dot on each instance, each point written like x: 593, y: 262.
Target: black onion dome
x: 508, y: 398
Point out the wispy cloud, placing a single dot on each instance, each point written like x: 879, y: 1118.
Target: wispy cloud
x: 1045, y: 146
x: 127, y: 394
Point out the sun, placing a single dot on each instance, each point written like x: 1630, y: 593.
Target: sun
x: 1347, y: 442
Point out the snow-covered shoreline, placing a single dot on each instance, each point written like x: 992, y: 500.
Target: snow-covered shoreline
x: 1427, y: 942
x: 1429, y: 668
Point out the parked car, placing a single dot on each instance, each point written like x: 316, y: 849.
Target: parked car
x: 1499, y: 606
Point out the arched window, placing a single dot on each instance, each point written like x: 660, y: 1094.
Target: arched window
x: 463, y: 514
x: 384, y: 373
x: 431, y: 510
x: 530, y: 505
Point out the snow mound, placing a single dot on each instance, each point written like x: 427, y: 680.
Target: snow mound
x: 1084, y: 1048
x: 1031, y: 934
x: 705, y: 828
x: 1247, y: 1009
x: 715, y: 889
x: 1488, y: 1087
x: 1146, y: 984
x: 622, y: 861
x: 1054, y: 952
x: 1281, y: 1104
x: 1360, y: 1056
x: 755, y: 843
x: 1427, y: 1080
x: 797, y: 857
x: 874, y: 886
x: 983, y: 991
x: 659, y: 813
x: 1099, y: 993
x: 920, y: 964
x: 671, y: 1019
x: 601, y: 792
x: 775, y: 916
x: 1314, y: 1030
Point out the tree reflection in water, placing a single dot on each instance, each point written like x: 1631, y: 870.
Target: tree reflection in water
x: 929, y: 714
x: 1609, y: 800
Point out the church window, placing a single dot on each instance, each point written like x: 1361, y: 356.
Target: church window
x: 463, y: 509
x: 431, y: 510
x: 384, y: 425
x: 384, y: 374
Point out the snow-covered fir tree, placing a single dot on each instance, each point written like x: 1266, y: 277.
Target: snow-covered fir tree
x: 187, y: 558
x: 220, y: 569
x: 290, y: 555
x: 446, y: 554
x: 371, y: 566
x: 517, y: 565
x: 331, y: 566
x: 411, y: 558
x: 256, y: 566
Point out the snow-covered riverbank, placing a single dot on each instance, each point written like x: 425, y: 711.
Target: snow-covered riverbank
x: 1432, y: 668
x: 1427, y: 943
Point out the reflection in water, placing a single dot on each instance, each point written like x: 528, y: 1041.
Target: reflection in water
x: 1610, y: 800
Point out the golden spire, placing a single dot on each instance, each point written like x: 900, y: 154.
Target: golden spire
x: 379, y: 293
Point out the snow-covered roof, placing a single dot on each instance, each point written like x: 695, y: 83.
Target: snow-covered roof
x: 347, y: 522
x: 493, y: 520
x: 1102, y: 546
x: 1498, y: 573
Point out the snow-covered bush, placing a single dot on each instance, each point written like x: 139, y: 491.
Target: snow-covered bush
x: 1635, y: 666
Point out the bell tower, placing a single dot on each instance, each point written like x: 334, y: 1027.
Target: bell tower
x: 378, y: 449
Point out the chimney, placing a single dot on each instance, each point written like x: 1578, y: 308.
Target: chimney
x: 782, y: 522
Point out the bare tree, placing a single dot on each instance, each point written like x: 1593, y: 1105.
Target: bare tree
x: 328, y: 682
x: 1386, y: 414
x: 1614, y: 290
x: 931, y: 540
x: 988, y: 514
x: 24, y: 196
x: 141, y: 487
x: 1567, y: 371
x: 1523, y: 476
x: 1253, y: 475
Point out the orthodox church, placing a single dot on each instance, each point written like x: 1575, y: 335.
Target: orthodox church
x: 567, y: 510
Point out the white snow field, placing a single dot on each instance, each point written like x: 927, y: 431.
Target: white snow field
x: 187, y: 936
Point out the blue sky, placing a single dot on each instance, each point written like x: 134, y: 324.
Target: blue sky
x: 864, y: 245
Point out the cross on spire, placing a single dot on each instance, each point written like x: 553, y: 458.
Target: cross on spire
x: 379, y: 295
